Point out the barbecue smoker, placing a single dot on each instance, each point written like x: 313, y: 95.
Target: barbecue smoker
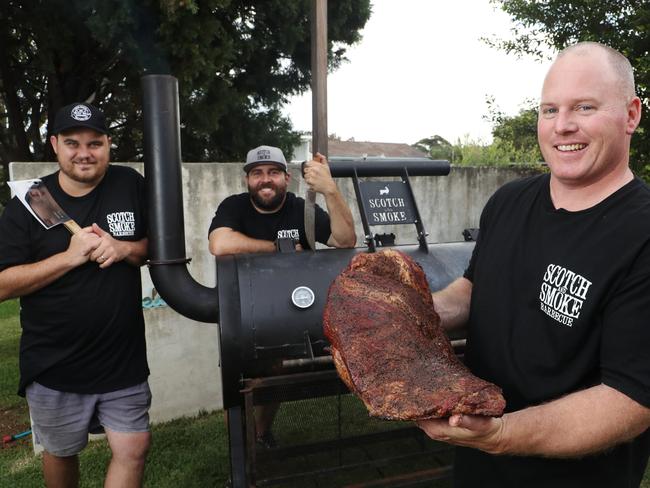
x: 269, y: 310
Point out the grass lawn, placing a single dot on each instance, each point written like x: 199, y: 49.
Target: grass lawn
x: 185, y: 453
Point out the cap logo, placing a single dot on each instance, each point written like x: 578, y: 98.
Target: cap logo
x: 263, y: 154
x: 80, y: 113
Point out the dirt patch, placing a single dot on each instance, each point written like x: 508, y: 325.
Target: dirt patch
x: 14, y: 421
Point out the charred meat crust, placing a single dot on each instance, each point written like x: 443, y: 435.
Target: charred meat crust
x: 389, y: 348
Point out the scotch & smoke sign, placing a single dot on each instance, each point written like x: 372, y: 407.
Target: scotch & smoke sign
x: 387, y: 202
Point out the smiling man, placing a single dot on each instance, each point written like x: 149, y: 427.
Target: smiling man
x: 556, y: 298
x: 253, y: 222
x: 83, y: 364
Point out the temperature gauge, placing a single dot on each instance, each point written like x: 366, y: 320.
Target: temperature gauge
x: 303, y: 297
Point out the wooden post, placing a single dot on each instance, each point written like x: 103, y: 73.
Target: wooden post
x: 319, y: 76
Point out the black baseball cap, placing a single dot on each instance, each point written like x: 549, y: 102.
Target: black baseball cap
x: 79, y: 115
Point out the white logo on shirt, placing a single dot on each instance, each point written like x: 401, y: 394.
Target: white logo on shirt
x: 292, y: 233
x: 121, y: 224
x: 562, y: 294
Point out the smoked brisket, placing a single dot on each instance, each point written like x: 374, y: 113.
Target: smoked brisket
x: 389, y: 348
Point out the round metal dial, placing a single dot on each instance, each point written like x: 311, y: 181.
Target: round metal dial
x: 303, y: 297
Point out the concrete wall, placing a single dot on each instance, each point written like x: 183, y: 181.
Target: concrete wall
x: 184, y: 354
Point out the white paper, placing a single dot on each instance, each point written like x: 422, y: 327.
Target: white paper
x: 20, y: 188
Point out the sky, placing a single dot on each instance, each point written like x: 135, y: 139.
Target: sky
x: 421, y: 70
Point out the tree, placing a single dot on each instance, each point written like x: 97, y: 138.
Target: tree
x: 437, y: 147
x: 236, y: 62
x: 514, y: 141
x: 472, y: 152
x: 621, y: 24
x: 516, y: 136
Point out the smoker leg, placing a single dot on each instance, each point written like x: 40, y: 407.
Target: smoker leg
x: 249, y: 421
x: 237, y: 441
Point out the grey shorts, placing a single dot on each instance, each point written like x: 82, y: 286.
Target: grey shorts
x: 61, y: 421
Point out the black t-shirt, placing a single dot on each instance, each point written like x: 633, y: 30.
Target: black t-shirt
x: 560, y: 303
x: 238, y: 213
x: 84, y: 332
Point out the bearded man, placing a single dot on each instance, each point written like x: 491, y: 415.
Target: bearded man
x: 254, y: 221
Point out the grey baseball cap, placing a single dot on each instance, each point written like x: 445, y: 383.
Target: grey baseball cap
x: 79, y: 115
x: 265, y: 155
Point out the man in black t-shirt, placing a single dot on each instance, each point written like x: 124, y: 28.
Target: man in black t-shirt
x: 83, y: 364
x: 255, y: 221
x: 556, y: 298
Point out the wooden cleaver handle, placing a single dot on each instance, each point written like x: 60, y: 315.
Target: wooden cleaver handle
x: 72, y: 226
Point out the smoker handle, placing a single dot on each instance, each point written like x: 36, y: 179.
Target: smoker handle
x: 341, y: 167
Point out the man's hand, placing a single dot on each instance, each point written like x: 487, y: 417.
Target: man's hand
x: 578, y: 424
x: 318, y: 176
x: 479, y: 432
x: 82, y: 246
x: 109, y: 250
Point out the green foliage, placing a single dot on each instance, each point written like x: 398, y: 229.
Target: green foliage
x: 516, y: 135
x: 473, y: 152
x: 514, y: 141
x: 437, y: 147
x: 621, y: 24
x: 236, y: 62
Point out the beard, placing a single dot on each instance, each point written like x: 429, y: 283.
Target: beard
x: 270, y: 204
x: 93, y: 176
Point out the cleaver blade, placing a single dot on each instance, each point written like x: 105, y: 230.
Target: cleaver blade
x: 309, y: 214
x: 38, y: 200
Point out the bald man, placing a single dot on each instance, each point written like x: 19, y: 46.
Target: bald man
x: 556, y: 298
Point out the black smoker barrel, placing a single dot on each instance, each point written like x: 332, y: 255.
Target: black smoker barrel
x: 260, y: 325
x: 258, y: 319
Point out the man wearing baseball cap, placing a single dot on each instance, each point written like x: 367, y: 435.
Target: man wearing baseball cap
x: 255, y: 222
x: 83, y: 364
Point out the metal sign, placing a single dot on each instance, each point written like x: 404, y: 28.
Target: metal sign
x: 387, y: 202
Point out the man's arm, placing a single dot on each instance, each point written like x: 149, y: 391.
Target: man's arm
x: 578, y: 424
x: 24, y: 279
x: 452, y: 303
x: 111, y: 250
x: 583, y: 422
x: 319, y: 179
x: 224, y: 240
x: 341, y: 222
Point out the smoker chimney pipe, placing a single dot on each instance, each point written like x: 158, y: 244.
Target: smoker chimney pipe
x: 162, y: 158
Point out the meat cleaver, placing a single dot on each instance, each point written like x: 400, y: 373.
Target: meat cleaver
x: 36, y: 198
x: 309, y: 214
